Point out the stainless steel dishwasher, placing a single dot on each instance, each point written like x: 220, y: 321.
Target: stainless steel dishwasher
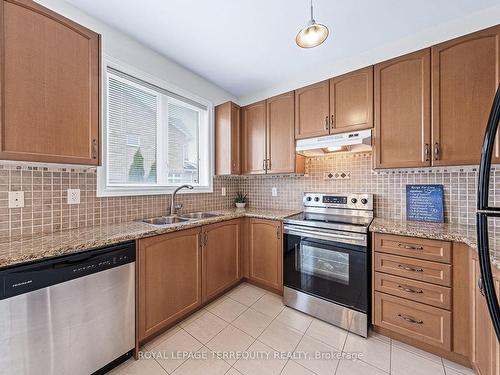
x: 68, y: 315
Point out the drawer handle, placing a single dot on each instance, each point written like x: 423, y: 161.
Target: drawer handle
x: 411, y: 269
x: 410, y: 319
x: 410, y: 247
x: 410, y: 290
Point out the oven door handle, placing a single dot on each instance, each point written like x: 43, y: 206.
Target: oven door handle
x: 321, y: 235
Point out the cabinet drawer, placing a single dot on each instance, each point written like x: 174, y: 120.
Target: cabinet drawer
x: 430, y: 294
x: 432, y: 272
x: 414, y: 320
x: 437, y: 251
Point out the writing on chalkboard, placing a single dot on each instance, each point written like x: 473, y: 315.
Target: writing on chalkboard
x: 425, y: 203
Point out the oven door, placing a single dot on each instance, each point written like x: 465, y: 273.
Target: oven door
x: 327, y: 264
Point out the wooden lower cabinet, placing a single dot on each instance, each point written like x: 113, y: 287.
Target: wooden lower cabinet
x: 449, y: 319
x: 265, y: 254
x: 415, y: 320
x: 170, y: 279
x: 485, y: 348
x: 220, y: 257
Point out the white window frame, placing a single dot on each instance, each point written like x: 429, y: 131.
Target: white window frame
x: 105, y: 190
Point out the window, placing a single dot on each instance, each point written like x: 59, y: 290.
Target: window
x: 154, y: 138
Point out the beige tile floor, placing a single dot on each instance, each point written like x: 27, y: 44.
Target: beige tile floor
x: 251, y: 321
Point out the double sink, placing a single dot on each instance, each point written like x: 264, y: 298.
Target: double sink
x: 174, y: 219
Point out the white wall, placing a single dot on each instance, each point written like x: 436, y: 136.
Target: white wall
x: 427, y: 37
x: 129, y: 51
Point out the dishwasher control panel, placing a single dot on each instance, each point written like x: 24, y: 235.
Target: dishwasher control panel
x: 27, y: 278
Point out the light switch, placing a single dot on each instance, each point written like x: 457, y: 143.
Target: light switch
x: 16, y: 199
x: 274, y: 192
x: 73, y: 196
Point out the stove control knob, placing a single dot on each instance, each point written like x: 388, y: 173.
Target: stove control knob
x: 364, y: 201
x: 316, y: 199
x: 354, y: 201
x: 308, y: 199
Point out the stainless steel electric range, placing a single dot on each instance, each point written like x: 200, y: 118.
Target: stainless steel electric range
x: 326, y: 262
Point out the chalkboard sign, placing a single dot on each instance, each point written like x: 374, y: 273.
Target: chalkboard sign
x: 424, y: 203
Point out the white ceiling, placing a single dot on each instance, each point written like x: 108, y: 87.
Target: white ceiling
x: 247, y: 47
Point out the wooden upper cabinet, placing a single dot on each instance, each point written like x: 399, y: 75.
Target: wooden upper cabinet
x: 402, y: 112
x: 50, y: 68
x: 254, y: 138
x: 351, y: 101
x: 465, y: 76
x: 221, y: 260
x: 170, y: 279
x: 227, y: 139
x: 281, y: 133
x: 265, y: 252
x: 312, y: 110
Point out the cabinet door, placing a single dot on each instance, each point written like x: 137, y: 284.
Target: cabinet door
x: 221, y: 261
x: 254, y: 138
x: 227, y: 139
x: 281, y: 134
x: 351, y: 101
x: 485, y: 347
x: 402, y: 111
x: 265, y: 253
x: 50, y: 68
x: 169, y: 279
x: 235, y: 139
x: 312, y: 110
x: 465, y: 76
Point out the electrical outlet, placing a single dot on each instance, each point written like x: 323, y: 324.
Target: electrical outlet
x: 16, y: 199
x: 274, y: 192
x: 73, y: 196
x: 223, y: 192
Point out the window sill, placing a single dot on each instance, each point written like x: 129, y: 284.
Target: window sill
x: 163, y: 190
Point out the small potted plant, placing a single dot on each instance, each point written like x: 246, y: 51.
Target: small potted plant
x: 240, y: 200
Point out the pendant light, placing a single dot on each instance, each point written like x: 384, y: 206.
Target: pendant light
x: 313, y: 34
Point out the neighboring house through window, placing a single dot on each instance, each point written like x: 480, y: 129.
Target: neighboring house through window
x: 155, y: 138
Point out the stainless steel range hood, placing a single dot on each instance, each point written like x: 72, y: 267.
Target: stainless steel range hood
x: 348, y: 142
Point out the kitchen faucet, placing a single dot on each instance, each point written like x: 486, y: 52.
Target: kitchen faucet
x: 173, y: 207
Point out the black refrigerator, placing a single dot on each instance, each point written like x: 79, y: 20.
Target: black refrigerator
x: 485, y: 212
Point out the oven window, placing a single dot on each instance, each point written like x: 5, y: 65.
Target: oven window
x: 325, y: 264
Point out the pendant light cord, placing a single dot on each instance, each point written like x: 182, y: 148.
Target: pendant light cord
x: 312, y: 16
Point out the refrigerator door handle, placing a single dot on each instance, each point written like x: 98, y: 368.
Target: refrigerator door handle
x: 484, y: 211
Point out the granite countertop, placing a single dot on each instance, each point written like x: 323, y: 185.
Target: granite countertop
x: 435, y: 231
x: 49, y: 245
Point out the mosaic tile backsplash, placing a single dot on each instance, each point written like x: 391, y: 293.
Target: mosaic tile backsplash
x: 46, y: 209
x: 388, y: 186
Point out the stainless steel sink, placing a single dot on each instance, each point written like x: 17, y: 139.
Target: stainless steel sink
x: 165, y: 220
x: 199, y: 215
